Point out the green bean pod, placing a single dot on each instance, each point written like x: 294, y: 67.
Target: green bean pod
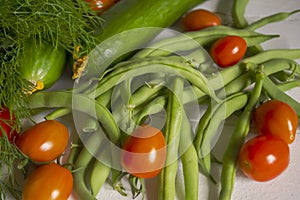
x: 58, y: 113
x: 100, y: 170
x: 57, y: 99
x: 237, y: 139
x: 196, y: 39
x: 172, y: 135
x: 207, y: 131
x: 238, y: 13
x: 276, y: 93
x: 84, y: 158
x: 175, y: 66
x: 189, y: 160
x: 277, y: 17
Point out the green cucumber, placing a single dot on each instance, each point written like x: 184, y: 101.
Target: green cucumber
x: 130, y: 14
x: 41, y: 63
x: 117, y: 38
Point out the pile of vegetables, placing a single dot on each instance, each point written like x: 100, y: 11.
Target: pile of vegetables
x: 140, y: 108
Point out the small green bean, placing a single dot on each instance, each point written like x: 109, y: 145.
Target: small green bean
x: 187, y: 40
x: 58, y: 113
x: 276, y: 93
x: 270, y: 67
x: 238, y: 13
x: 189, y: 160
x: 206, y: 132
x: 100, y: 170
x: 168, y: 66
x: 288, y: 85
x: 172, y: 135
x: 237, y: 139
x: 271, y: 19
x: 84, y: 158
x: 56, y: 99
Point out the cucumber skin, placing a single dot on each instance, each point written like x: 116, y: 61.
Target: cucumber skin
x: 128, y: 26
x: 129, y: 14
x: 42, y: 62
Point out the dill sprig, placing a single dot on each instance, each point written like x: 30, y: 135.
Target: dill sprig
x: 65, y: 23
x: 62, y: 23
x: 8, y: 156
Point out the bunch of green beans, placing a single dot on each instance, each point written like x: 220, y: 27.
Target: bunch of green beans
x: 179, y: 73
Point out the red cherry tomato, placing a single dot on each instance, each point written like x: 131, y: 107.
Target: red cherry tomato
x: 276, y: 118
x: 50, y: 181
x: 144, y: 152
x: 7, y: 120
x: 44, y: 141
x: 263, y: 158
x: 100, y: 5
x: 200, y: 19
x: 228, y: 50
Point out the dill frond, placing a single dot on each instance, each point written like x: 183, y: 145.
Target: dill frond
x: 67, y: 23
x: 63, y: 23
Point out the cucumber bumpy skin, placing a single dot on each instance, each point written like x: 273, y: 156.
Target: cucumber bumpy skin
x: 41, y: 64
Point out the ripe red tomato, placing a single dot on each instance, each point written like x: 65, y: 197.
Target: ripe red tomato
x: 276, y: 118
x: 44, y: 141
x: 144, y: 152
x: 200, y: 19
x: 228, y: 50
x: 7, y: 120
x: 50, y: 181
x: 100, y: 5
x: 263, y: 158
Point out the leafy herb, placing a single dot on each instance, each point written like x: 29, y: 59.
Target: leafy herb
x: 63, y: 23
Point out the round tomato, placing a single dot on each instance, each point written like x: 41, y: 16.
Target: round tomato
x: 50, y: 181
x: 44, y: 141
x: 228, y: 50
x: 100, y: 5
x: 276, y: 118
x: 144, y: 152
x: 263, y: 158
x: 200, y: 19
x: 7, y: 120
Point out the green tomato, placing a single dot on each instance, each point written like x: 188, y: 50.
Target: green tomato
x: 42, y: 64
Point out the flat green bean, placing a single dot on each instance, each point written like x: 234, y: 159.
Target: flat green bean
x: 270, y: 67
x: 276, y: 93
x: 271, y: 19
x: 207, y: 131
x: 162, y: 65
x: 189, y: 160
x: 100, y: 170
x: 172, y: 136
x: 288, y: 85
x: 58, y: 99
x: 84, y: 158
x: 237, y: 139
x: 58, y: 113
x: 238, y: 13
x: 181, y: 41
